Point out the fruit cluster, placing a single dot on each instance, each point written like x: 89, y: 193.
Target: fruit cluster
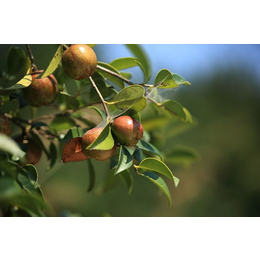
x: 126, y: 131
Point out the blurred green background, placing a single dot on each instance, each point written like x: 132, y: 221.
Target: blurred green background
x: 224, y: 97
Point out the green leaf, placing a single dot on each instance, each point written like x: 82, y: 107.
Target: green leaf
x: 60, y: 123
x: 127, y: 179
x: 16, y: 60
x: 10, y: 146
x: 22, y: 83
x: 142, y: 57
x: 180, y: 80
x: 146, y: 146
x: 174, y: 109
x: 131, y: 97
x: 72, y: 133
x: 125, y: 63
x: 92, y: 176
x: 105, y: 140
x: 164, y: 79
x: 54, y: 63
x: 54, y: 155
x: 32, y: 172
x: 125, y: 160
x: 8, y: 188
x: 155, y: 165
x: 71, y: 101
x: 181, y: 155
x: 110, y: 77
x: 160, y: 183
x: 100, y: 112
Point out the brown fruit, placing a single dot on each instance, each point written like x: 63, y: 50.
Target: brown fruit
x: 88, y: 138
x: 5, y: 126
x: 79, y: 61
x: 127, y: 130
x: 42, y: 91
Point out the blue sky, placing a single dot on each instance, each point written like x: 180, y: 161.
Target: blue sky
x: 189, y: 60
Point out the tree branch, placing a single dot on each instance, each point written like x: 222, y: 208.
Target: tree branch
x: 34, y: 67
x: 100, y: 95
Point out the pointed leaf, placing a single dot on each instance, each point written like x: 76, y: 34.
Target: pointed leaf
x: 180, y: 80
x: 146, y: 146
x: 72, y: 133
x: 164, y: 79
x: 155, y: 165
x: 142, y: 57
x: 15, y: 60
x: 10, y: 146
x: 130, y: 97
x: 105, y: 140
x: 60, y: 123
x: 159, y: 182
x: 125, y: 160
x: 54, y: 63
x: 54, y: 155
x: 72, y: 151
x: 127, y: 178
x: 110, y: 77
x: 100, y: 112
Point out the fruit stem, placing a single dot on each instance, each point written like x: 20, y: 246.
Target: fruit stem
x: 34, y: 67
x: 100, y: 95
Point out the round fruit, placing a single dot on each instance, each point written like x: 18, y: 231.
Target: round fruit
x: 88, y: 138
x: 79, y: 61
x: 33, y: 151
x: 127, y: 130
x: 5, y: 126
x: 42, y: 91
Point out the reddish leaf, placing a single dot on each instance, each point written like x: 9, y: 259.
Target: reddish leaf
x: 72, y: 151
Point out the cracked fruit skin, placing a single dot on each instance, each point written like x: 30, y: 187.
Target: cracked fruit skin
x: 42, y: 91
x: 5, y: 126
x: 89, y: 137
x: 127, y: 130
x: 79, y: 61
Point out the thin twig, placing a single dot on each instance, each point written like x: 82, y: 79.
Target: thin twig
x: 115, y: 74
x: 100, y: 95
x: 162, y: 106
x: 34, y: 67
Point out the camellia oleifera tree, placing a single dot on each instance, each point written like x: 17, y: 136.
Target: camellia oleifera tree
x: 76, y: 84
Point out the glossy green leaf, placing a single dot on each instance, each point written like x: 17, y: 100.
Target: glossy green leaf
x: 92, y: 176
x: 180, y: 80
x: 127, y: 179
x: 146, y: 146
x: 10, y: 146
x: 8, y: 188
x: 71, y: 101
x: 22, y: 83
x: 155, y: 165
x: 129, y: 97
x: 16, y: 60
x: 160, y: 183
x: 105, y: 140
x: 72, y: 133
x: 54, y: 63
x: 110, y: 77
x: 31, y: 172
x: 60, y: 123
x: 125, y: 160
x: 142, y: 57
x: 164, y: 79
x: 125, y: 63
